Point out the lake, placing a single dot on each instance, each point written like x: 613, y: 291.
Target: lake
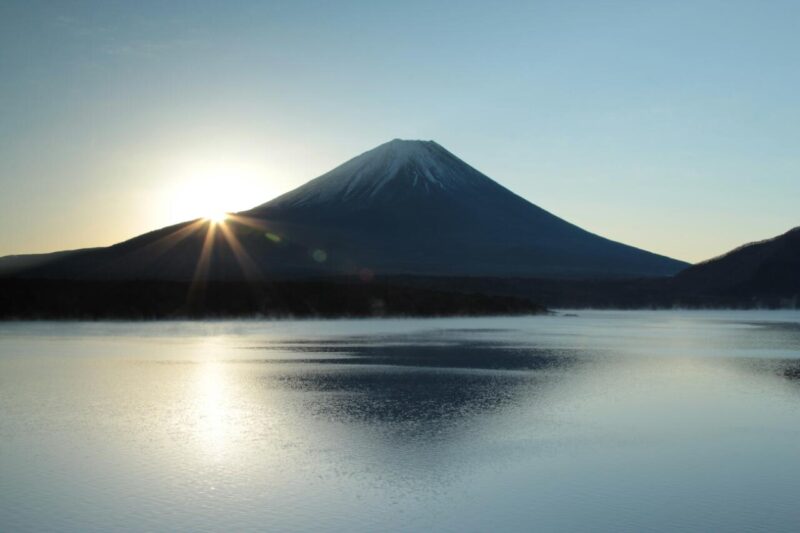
x: 588, y: 420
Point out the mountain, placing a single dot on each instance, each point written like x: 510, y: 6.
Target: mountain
x: 405, y: 207
x: 15, y: 263
x: 769, y: 268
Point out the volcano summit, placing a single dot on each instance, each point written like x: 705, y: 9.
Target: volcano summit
x: 403, y: 208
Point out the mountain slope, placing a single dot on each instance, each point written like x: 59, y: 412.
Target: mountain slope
x: 12, y: 264
x: 405, y: 207
x: 770, y: 267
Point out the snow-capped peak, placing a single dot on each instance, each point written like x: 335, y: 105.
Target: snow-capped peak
x: 398, y: 167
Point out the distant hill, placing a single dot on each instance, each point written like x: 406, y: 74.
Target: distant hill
x: 11, y: 264
x: 769, y: 268
x: 403, y: 208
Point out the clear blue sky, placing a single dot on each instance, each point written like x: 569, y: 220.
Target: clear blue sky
x: 673, y: 126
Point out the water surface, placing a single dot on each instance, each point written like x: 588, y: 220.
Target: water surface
x: 603, y: 421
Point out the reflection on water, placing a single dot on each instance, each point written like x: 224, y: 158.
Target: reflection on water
x: 604, y: 421
x: 420, y: 381
x: 214, y: 416
x: 430, y: 350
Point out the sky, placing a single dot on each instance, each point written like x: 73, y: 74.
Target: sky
x: 671, y: 126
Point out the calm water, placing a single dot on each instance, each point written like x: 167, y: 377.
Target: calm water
x: 603, y: 421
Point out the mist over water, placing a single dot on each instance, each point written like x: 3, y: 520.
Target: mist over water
x: 605, y: 421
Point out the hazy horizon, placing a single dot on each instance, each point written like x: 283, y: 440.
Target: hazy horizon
x: 671, y: 128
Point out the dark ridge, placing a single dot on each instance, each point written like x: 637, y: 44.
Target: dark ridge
x: 13, y: 264
x: 770, y: 268
x: 59, y: 299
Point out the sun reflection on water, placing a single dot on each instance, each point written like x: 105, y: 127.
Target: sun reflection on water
x: 212, y: 415
x: 212, y: 407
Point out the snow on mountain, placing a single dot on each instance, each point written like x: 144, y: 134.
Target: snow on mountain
x: 402, y: 165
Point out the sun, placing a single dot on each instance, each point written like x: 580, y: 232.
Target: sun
x: 217, y: 217
x: 209, y: 199
x: 210, y: 189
